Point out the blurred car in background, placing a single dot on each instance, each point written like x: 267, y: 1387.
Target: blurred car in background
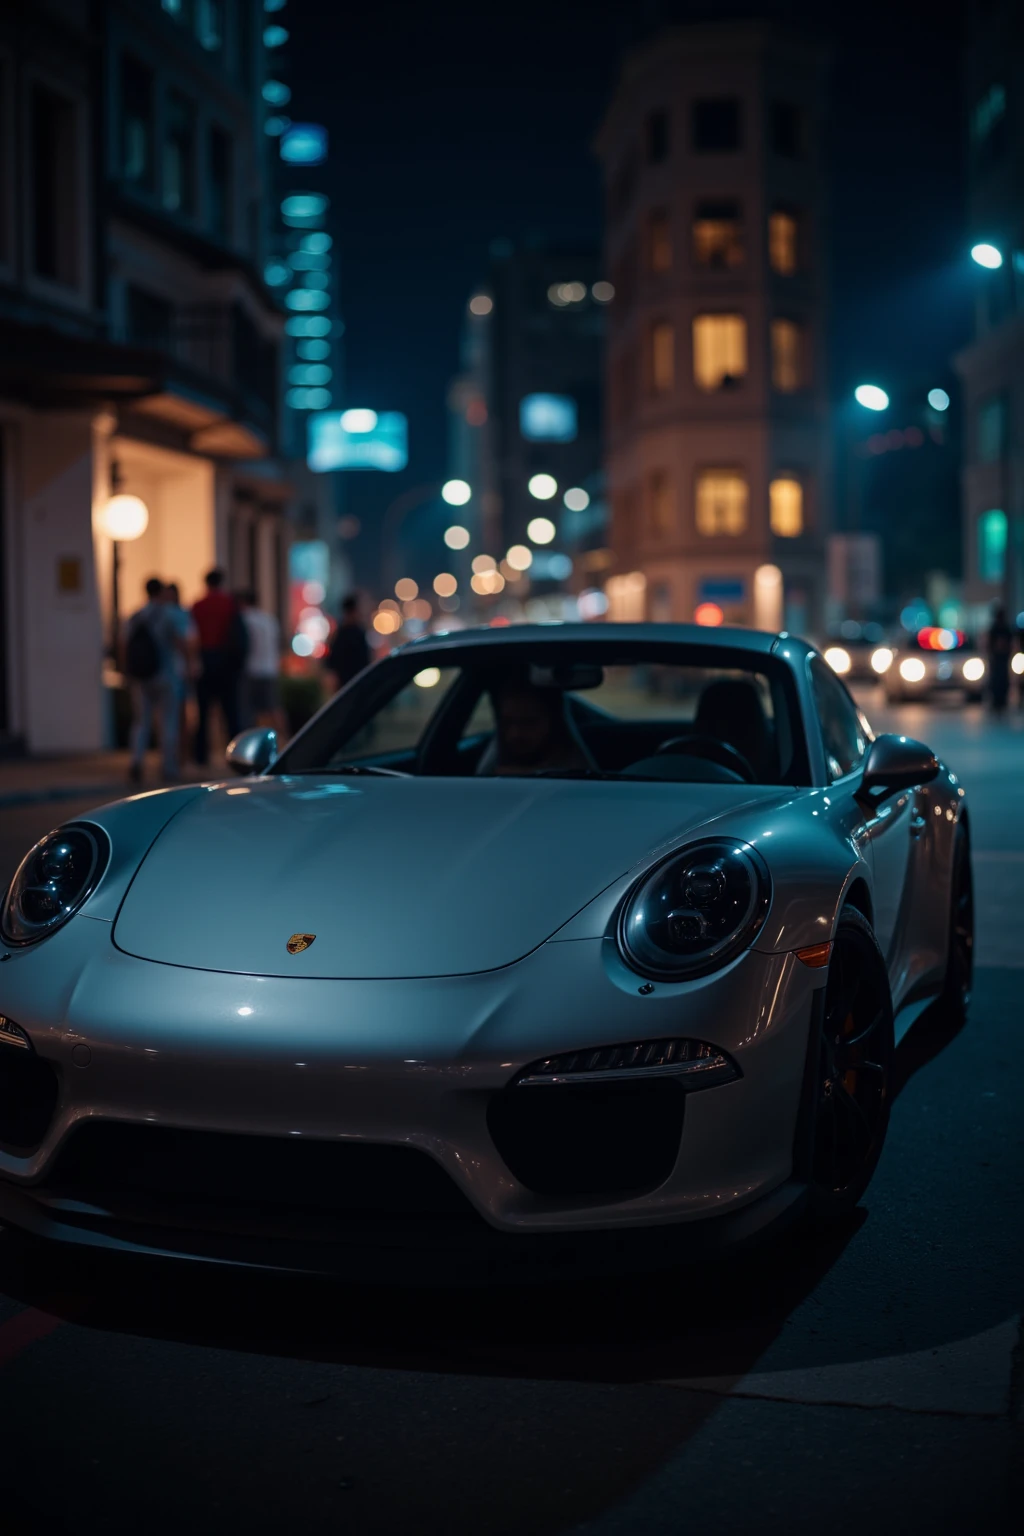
x: 859, y: 654
x: 934, y: 661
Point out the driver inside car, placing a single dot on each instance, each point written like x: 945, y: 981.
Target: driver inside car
x: 534, y: 731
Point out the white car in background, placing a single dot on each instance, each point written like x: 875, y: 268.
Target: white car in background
x: 932, y: 662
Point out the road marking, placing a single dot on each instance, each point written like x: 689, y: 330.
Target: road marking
x: 26, y: 1328
x: 970, y: 1377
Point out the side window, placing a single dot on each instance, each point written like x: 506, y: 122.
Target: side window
x: 844, y: 732
x: 481, y: 721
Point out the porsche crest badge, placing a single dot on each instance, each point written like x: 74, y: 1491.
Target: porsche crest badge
x: 298, y: 942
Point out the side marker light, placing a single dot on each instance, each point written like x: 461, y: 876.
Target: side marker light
x: 815, y: 955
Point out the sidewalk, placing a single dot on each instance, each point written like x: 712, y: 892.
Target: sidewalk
x: 33, y: 780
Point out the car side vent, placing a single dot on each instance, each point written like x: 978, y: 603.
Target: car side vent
x: 693, y: 1063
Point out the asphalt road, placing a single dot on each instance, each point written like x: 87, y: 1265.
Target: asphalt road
x: 871, y: 1383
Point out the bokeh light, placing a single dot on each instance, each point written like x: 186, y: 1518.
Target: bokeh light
x: 519, y: 557
x: 871, y: 397
x: 406, y: 589
x: 543, y: 487
x: 358, y: 420
x: 483, y: 563
x: 576, y: 499
x: 481, y: 304
x: 708, y: 614
x: 540, y: 530
x: 445, y: 584
x: 938, y: 400
x: 456, y: 537
x: 428, y: 678
x: 987, y: 255
x: 456, y: 492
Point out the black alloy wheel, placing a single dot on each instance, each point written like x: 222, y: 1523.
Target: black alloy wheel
x: 956, y: 988
x: 852, y: 1077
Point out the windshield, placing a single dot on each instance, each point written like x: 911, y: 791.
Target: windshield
x: 682, y: 713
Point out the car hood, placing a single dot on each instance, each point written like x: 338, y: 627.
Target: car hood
x: 396, y: 877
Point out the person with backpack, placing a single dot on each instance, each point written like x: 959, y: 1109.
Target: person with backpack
x: 151, y: 647
x: 223, y: 647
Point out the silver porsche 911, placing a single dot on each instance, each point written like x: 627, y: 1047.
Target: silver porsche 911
x: 534, y: 940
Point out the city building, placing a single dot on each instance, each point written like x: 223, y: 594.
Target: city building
x: 717, y: 443
x: 526, y: 415
x: 139, y: 344
x: 991, y: 367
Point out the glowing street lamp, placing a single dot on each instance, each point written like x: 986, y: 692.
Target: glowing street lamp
x: 986, y: 255
x: 123, y: 518
x: 871, y: 397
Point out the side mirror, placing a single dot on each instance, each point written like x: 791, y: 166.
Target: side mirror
x: 252, y: 751
x: 894, y: 763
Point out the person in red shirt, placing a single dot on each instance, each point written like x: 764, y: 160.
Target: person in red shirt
x: 222, y: 649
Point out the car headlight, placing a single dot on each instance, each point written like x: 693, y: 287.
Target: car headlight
x: 695, y: 910
x: 912, y: 669
x: 973, y: 669
x: 52, y: 881
x: 881, y: 659
x: 838, y: 659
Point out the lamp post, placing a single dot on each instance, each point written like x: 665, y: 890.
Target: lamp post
x: 124, y: 517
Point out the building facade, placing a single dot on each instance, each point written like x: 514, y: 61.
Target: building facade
x: 718, y: 445
x: 139, y: 344
x: 526, y: 413
x: 991, y: 368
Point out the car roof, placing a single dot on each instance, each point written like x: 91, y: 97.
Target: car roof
x: 760, y: 642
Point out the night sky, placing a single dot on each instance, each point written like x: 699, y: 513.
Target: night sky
x: 457, y: 123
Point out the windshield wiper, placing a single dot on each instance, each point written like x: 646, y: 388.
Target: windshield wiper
x: 354, y: 768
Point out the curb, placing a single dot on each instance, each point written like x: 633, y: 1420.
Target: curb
x: 64, y: 792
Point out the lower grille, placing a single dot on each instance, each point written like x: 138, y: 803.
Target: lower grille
x: 29, y: 1089
x: 595, y: 1139
x: 271, y: 1186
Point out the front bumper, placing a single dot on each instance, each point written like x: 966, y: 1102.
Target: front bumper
x: 413, y: 1065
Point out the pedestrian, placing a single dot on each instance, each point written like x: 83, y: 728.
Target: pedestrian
x: 223, y: 642
x: 186, y: 659
x: 349, y: 652
x: 260, y: 689
x: 151, y: 647
x: 1000, y: 644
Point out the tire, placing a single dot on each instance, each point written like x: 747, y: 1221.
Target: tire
x: 956, y: 985
x: 849, y: 1074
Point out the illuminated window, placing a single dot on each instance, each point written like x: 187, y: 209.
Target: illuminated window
x: 717, y: 235
x: 786, y: 507
x: 660, y: 509
x: 627, y: 596
x: 719, y: 350
x: 992, y: 545
x: 782, y: 237
x: 663, y: 356
x: 722, y: 498
x: 659, y: 241
x: 787, y: 355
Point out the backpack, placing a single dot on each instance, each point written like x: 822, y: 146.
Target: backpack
x: 141, y: 652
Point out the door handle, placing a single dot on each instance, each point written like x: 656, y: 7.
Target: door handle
x: 917, y: 824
